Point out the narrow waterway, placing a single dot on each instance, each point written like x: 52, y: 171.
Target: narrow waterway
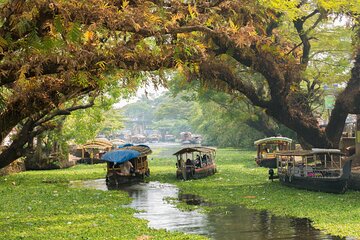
x: 235, y: 222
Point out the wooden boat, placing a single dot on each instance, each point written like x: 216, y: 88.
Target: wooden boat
x: 266, y: 149
x: 91, y: 151
x: 322, y: 170
x: 195, y: 162
x: 127, y: 164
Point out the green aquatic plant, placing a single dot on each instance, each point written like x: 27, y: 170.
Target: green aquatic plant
x: 240, y: 182
x: 42, y: 205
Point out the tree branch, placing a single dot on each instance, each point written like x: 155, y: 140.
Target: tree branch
x: 212, y: 71
x: 66, y: 111
x: 305, y: 39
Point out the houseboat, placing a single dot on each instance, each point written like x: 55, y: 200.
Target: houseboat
x: 266, y: 149
x: 195, y: 162
x: 127, y: 164
x: 325, y: 170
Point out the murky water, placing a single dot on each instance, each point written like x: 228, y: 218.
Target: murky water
x: 236, y: 222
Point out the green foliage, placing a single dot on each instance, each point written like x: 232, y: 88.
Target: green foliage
x: 84, y: 124
x: 224, y: 127
x: 166, y: 113
x: 223, y: 119
x: 74, y: 34
x: 113, y: 122
x: 71, y: 48
x: 334, y: 65
x: 289, y: 7
x: 340, y: 6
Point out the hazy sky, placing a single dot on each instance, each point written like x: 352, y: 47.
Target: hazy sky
x: 152, y: 93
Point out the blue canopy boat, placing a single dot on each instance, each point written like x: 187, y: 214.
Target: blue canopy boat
x: 127, y: 164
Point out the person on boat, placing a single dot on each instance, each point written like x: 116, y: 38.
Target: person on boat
x: 125, y: 168
x: 204, y: 160
x: 301, y: 169
x: 264, y: 152
x: 197, y: 161
x: 190, y: 168
x: 189, y: 162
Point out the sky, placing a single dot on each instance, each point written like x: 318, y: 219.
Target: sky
x: 151, y: 93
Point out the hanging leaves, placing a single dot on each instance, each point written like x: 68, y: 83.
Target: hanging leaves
x: 74, y: 33
x: 192, y: 11
x: 3, y: 43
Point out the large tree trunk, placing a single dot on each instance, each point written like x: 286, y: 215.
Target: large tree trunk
x: 279, y: 107
x: 306, y: 128
x: 347, y: 102
x: 17, y: 147
x: 8, y: 120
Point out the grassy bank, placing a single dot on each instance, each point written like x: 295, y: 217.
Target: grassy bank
x: 41, y: 205
x: 239, y: 181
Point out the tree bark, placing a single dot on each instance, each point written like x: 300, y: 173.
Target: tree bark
x: 347, y: 102
x: 16, y: 148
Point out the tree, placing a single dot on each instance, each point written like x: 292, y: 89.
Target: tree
x: 223, y: 119
x: 283, y: 75
x: 174, y: 114
x: 166, y: 113
x: 55, y: 50
x: 55, y: 53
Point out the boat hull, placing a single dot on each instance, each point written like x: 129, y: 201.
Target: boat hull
x: 116, y: 180
x: 354, y: 182
x: 196, y: 173
x: 267, y: 162
x: 330, y: 185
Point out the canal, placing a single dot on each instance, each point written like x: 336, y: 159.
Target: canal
x: 233, y: 222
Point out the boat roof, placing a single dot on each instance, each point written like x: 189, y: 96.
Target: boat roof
x: 142, y: 149
x: 117, y: 141
x: 126, y: 153
x: 195, y: 149
x: 308, y: 152
x: 97, y: 144
x: 273, y: 139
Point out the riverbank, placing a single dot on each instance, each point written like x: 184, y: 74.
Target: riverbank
x: 241, y: 182
x: 41, y: 205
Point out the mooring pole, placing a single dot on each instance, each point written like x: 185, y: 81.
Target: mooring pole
x: 357, y: 144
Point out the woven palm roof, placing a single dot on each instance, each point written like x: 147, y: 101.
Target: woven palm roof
x: 273, y: 140
x: 142, y: 149
x: 196, y: 149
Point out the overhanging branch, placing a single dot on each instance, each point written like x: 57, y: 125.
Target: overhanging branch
x: 66, y: 111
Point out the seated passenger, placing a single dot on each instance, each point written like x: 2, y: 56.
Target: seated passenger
x: 125, y: 168
x: 204, y: 160
x: 189, y: 162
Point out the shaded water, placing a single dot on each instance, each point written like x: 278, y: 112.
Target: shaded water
x: 235, y: 222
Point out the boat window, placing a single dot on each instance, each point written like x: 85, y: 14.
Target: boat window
x: 336, y: 161
x: 310, y: 160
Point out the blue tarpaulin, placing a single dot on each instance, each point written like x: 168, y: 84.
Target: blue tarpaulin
x: 120, y: 156
x: 125, y: 145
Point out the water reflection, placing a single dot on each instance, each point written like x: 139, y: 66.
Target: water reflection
x: 151, y: 199
x: 242, y: 223
x: 192, y: 199
x: 235, y: 222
